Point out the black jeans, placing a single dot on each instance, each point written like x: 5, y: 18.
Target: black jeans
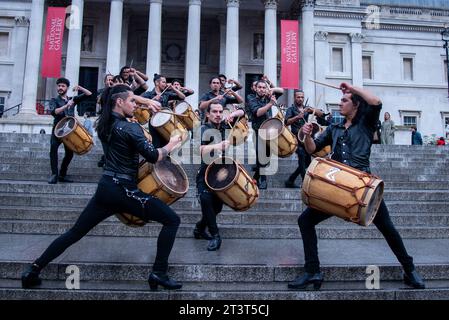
x: 108, y: 199
x: 54, y: 145
x: 311, y: 217
x: 211, y: 206
x: 304, y: 160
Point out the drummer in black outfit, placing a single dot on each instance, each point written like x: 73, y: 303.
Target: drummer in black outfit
x: 351, y: 144
x: 171, y: 93
x: 117, y: 190
x: 211, y: 204
x: 61, y: 107
x: 186, y: 91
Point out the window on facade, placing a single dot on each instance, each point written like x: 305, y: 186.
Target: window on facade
x: 4, y: 44
x: 337, y: 59
x: 410, y: 121
x: 445, y: 70
x: 408, y: 69
x: 367, y: 71
x: 2, y: 105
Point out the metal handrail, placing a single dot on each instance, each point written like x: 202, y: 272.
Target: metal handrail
x: 5, y: 115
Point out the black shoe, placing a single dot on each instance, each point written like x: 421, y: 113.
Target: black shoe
x: 262, y: 183
x: 30, y: 278
x: 301, y: 282
x: 64, y: 179
x: 156, y: 279
x: 100, y: 164
x: 201, y: 234
x: 215, y: 243
x: 53, y: 179
x: 414, y: 280
x: 290, y: 184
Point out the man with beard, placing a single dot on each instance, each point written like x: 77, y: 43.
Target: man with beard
x: 61, y: 107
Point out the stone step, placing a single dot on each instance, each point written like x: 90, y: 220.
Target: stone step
x: 191, y: 170
x: 231, y: 217
x: 88, y: 189
x: 227, y: 231
x: 191, y: 203
x: 138, y: 290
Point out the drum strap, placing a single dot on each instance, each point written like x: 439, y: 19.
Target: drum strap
x: 133, y: 193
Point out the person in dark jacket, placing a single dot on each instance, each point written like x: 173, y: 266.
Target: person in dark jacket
x: 416, y: 136
x: 117, y: 190
x: 351, y: 144
x: 61, y: 107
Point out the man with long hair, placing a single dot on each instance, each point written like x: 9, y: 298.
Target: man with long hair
x: 117, y: 189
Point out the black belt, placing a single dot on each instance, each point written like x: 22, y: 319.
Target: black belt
x: 118, y: 175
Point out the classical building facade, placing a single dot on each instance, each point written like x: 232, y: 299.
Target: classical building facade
x: 393, y: 48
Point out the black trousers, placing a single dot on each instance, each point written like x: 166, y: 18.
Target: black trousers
x: 108, y: 199
x: 211, y: 206
x: 304, y: 160
x: 262, y: 151
x: 54, y: 146
x: 311, y: 217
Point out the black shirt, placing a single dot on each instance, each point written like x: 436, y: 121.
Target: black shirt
x: 165, y: 98
x: 211, y: 95
x: 124, y: 145
x: 255, y: 104
x: 210, y: 134
x: 293, y: 111
x: 352, y: 146
x: 58, y: 102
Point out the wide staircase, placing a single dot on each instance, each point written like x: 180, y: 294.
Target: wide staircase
x: 261, y: 250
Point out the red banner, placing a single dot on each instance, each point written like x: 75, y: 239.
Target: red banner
x: 54, y: 34
x: 290, y: 54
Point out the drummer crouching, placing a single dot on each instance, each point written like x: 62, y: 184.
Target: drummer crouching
x: 351, y: 144
x: 211, y: 204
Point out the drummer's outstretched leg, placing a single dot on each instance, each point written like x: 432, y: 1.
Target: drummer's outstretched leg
x: 207, y: 200
x: 394, y: 240
x: 92, y: 215
x: 307, y: 222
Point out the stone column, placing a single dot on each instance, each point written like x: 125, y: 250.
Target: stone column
x: 33, y: 59
x: 322, y: 63
x: 232, y: 39
x: 124, y: 45
x: 270, y: 40
x: 357, y: 64
x: 114, y: 41
x: 72, y: 69
x: 192, y: 70
x: 154, y: 38
x: 222, y: 21
x: 308, y: 49
x: 19, y: 50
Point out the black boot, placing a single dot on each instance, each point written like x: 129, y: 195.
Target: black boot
x: 201, y: 234
x: 291, y: 184
x: 30, y: 277
x: 64, y: 179
x: 301, y: 282
x: 414, y: 280
x: 53, y: 179
x: 155, y: 279
x: 215, y: 243
x: 262, y: 183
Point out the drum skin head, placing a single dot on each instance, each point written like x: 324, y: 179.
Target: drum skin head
x: 65, y: 126
x: 159, y: 119
x: 272, y: 129
x: 171, y: 175
x: 181, y: 107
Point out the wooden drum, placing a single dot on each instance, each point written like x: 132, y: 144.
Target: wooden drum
x: 74, y: 135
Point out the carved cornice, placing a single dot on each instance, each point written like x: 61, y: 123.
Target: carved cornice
x: 270, y: 4
x: 22, y: 21
x: 399, y: 27
x: 308, y: 4
x: 233, y: 3
x: 340, y: 14
x: 357, y: 37
x: 321, y: 35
